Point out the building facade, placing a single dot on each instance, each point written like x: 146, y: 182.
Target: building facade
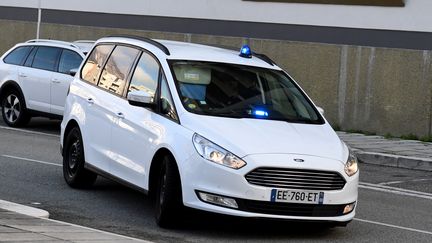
x: 367, y: 63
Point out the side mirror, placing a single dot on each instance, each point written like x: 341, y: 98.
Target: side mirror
x: 141, y: 98
x: 320, y: 110
x: 73, y: 71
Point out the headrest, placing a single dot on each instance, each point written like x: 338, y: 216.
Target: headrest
x: 192, y: 75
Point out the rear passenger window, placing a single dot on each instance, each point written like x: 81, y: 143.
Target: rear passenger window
x: 146, y: 75
x: 17, y: 56
x: 117, y: 69
x: 30, y: 58
x: 91, y: 70
x: 69, y: 60
x: 46, y: 58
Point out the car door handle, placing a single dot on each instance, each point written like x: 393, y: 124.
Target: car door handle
x: 120, y: 115
x: 56, y: 81
x: 22, y: 75
x: 90, y: 101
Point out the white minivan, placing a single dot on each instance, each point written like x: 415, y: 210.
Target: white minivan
x: 206, y: 128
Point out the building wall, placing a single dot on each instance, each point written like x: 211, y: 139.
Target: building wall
x: 361, y: 87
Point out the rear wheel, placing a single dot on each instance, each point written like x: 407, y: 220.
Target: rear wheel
x: 13, y: 109
x: 73, y: 162
x: 169, y: 203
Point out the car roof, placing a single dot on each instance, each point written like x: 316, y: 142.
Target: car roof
x: 81, y: 46
x: 177, y: 50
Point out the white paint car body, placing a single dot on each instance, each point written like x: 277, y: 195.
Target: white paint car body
x: 121, y: 140
x: 43, y: 91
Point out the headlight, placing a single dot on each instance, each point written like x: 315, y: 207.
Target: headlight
x: 215, y: 153
x: 351, y: 166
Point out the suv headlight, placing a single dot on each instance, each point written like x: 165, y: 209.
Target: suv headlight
x: 214, y: 153
x: 351, y: 166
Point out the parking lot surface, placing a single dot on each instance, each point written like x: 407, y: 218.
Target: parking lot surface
x: 394, y: 204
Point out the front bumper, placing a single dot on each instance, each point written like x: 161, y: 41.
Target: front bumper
x: 254, y: 201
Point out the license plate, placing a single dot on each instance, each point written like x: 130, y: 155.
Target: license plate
x: 296, y: 196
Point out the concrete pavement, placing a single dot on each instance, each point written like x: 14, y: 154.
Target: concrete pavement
x: 410, y: 154
x: 15, y: 227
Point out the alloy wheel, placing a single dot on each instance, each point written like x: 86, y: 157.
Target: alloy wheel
x: 12, y: 108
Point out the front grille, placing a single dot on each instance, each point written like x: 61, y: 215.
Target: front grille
x: 290, y: 209
x: 296, y: 179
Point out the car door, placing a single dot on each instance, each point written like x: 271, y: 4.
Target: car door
x: 36, y: 76
x: 137, y: 132
x: 94, y: 103
x: 61, y: 80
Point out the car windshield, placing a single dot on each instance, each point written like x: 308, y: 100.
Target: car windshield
x: 238, y: 91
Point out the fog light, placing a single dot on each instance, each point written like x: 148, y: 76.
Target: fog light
x: 218, y: 200
x: 349, y: 208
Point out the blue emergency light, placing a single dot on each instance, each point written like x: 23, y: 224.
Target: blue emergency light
x: 245, y: 52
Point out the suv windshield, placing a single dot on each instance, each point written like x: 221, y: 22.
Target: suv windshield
x: 237, y: 91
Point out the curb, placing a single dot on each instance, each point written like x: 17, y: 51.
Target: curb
x: 44, y: 215
x: 414, y: 163
x: 23, y: 209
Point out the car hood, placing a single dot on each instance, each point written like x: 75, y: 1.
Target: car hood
x: 247, y: 136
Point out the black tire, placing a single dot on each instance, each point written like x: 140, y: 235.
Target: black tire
x: 74, y: 172
x: 169, y: 203
x: 14, y: 111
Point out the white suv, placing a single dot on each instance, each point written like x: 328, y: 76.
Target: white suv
x: 206, y: 128
x: 35, y: 77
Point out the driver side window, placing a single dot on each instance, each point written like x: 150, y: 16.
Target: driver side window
x: 146, y: 75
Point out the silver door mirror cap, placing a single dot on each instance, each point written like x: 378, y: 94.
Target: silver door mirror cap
x: 140, y: 98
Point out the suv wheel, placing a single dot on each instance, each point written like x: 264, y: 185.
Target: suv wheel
x: 73, y: 162
x: 169, y: 205
x: 14, y: 112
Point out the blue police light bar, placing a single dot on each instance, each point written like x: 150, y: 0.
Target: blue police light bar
x: 260, y: 113
x: 245, y: 51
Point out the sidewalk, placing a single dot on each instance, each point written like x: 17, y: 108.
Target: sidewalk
x: 16, y: 227
x: 390, y: 152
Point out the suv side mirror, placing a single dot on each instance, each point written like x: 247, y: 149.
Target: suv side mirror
x: 141, y: 98
x: 73, y: 71
x: 320, y: 110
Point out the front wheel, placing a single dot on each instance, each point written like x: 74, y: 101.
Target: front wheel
x: 169, y: 203
x: 73, y: 162
x: 14, y: 111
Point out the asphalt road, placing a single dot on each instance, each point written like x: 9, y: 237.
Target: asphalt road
x: 394, y: 204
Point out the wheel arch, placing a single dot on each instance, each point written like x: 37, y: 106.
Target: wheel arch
x: 12, y: 85
x: 155, y: 167
x: 71, y: 124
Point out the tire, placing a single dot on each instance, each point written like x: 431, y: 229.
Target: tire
x: 14, y: 111
x: 169, y: 203
x: 74, y: 172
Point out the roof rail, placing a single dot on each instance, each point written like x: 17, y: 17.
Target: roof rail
x: 263, y: 57
x: 145, y: 39
x: 85, y: 41
x: 52, y: 41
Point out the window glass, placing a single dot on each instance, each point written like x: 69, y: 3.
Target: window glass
x: 69, y: 60
x: 167, y: 104
x: 17, y: 56
x: 90, y: 71
x: 116, y: 70
x: 46, y: 58
x: 238, y: 91
x: 30, y: 58
x: 146, y: 75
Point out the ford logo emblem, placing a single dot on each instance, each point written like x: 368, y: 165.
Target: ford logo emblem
x: 299, y: 160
